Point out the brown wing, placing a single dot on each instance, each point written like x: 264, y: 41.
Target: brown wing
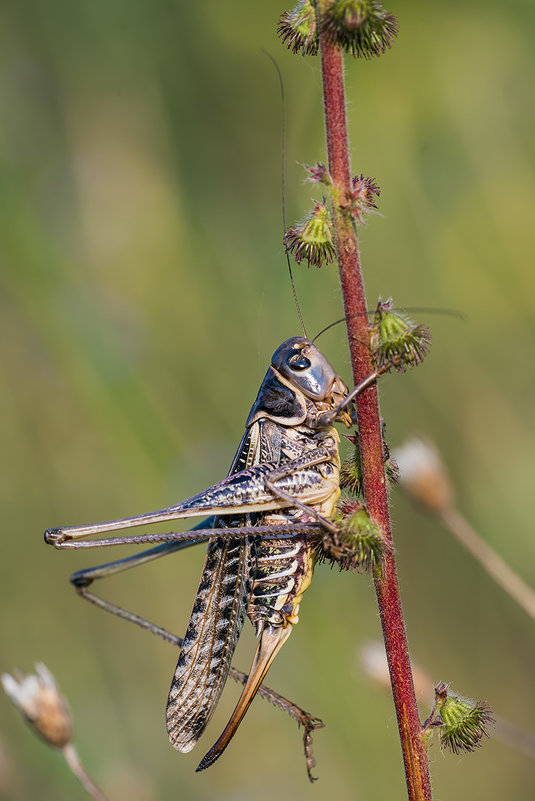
x: 215, y: 624
x: 214, y: 627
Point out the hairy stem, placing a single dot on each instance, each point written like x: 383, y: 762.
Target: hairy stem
x: 369, y: 421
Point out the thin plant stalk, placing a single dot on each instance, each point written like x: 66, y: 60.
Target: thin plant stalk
x: 492, y: 562
x: 425, y: 479
x: 371, y: 448
x: 73, y: 761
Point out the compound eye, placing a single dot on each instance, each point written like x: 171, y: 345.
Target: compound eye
x: 298, y: 362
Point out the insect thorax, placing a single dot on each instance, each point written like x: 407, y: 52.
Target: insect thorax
x: 285, y: 566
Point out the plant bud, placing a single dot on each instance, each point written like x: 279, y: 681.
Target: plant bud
x: 463, y: 723
x: 360, y: 27
x: 313, y: 238
x: 396, y: 340
x: 297, y: 29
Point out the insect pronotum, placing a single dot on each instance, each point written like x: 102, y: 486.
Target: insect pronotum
x: 265, y: 528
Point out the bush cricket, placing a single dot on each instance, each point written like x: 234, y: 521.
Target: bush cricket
x: 265, y: 528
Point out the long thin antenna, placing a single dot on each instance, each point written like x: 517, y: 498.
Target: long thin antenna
x: 283, y: 183
x: 410, y: 309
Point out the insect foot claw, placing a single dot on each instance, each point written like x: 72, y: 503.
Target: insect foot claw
x: 54, y: 536
x: 310, y: 724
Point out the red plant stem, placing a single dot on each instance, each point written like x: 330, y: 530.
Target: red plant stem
x: 369, y: 422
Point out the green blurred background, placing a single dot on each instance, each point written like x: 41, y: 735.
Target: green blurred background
x: 143, y: 291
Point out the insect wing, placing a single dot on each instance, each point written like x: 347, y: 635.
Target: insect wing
x: 215, y: 623
x: 213, y: 631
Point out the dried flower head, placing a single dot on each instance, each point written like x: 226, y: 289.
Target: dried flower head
x: 359, y: 544
x: 362, y: 28
x: 40, y: 701
x: 313, y: 238
x: 396, y: 340
x: 462, y: 723
x: 297, y: 28
x: 361, y: 198
x: 423, y: 475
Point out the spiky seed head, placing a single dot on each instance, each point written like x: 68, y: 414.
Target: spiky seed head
x: 40, y: 701
x: 297, y: 29
x: 351, y: 471
x: 422, y: 474
x: 396, y: 340
x: 365, y: 187
x: 463, y: 723
x: 362, y: 28
x: 318, y: 174
x: 360, y: 545
x: 361, y: 198
x: 313, y: 238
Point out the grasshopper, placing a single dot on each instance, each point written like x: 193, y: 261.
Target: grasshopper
x: 266, y: 524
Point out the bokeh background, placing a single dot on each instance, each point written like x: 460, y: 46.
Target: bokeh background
x: 143, y: 290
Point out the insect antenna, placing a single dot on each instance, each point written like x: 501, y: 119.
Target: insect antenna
x: 408, y: 309
x: 283, y: 184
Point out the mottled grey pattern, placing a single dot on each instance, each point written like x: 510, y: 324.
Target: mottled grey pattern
x: 285, y: 449
x: 216, y: 621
